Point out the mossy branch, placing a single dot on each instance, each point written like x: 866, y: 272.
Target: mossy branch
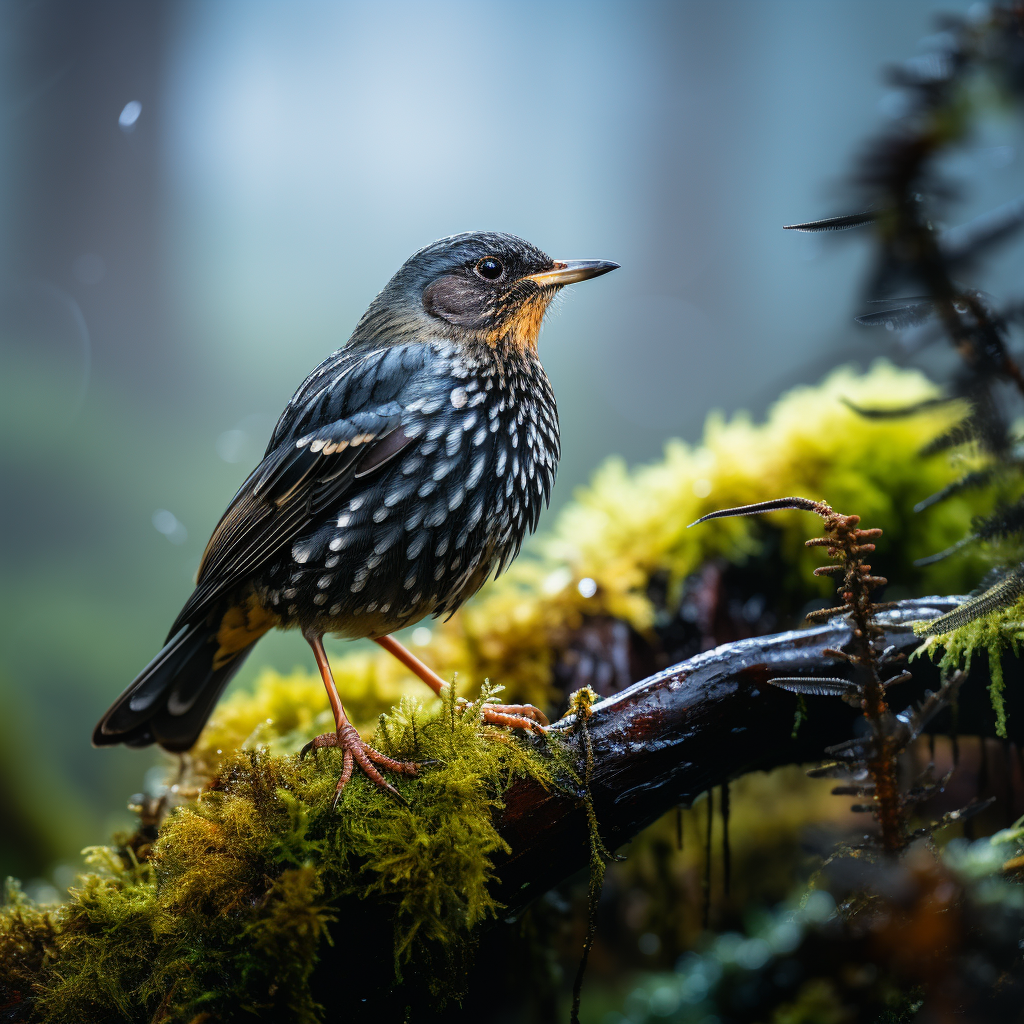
x: 256, y: 898
x: 671, y: 737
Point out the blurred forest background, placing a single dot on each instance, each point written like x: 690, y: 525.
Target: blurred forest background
x: 198, y: 200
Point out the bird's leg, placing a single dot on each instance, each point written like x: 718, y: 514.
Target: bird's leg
x: 514, y: 716
x: 354, y: 750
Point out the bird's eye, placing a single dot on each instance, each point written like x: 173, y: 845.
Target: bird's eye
x: 490, y: 268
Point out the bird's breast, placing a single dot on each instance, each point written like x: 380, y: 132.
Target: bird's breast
x: 422, y: 534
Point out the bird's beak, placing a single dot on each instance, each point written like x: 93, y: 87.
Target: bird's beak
x: 571, y: 271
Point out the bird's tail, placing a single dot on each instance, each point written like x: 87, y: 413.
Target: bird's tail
x: 170, y: 700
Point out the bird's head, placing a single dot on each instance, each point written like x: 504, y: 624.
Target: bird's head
x: 477, y: 287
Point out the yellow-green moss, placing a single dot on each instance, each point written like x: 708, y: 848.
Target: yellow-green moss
x: 229, y: 912
x: 995, y: 633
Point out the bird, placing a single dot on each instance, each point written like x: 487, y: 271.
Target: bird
x: 404, y: 472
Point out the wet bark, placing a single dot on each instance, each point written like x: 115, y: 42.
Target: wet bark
x: 669, y: 738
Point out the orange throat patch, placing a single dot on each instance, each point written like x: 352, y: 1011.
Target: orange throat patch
x: 523, y: 326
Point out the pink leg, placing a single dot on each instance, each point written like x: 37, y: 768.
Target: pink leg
x: 354, y: 750
x: 513, y: 716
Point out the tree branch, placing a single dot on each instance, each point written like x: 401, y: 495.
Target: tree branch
x: 667, y: 739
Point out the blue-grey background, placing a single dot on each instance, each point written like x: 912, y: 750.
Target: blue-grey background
x: 167, y: 281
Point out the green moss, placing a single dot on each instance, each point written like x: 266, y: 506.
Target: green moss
x: 994, y: 633
x: 229, y: 912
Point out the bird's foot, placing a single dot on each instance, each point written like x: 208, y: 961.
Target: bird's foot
x: 514, y: 716
x: 356, y: 752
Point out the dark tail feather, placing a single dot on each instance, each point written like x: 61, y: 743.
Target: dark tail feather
x: 172, y: 697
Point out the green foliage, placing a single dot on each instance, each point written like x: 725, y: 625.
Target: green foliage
x: 994, y: 633
x: 227, y: 914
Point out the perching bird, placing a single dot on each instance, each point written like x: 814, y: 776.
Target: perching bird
x: 403, y: 472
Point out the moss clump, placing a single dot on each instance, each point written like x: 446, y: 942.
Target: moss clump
x: 995, y: 633
x: 228, y: 914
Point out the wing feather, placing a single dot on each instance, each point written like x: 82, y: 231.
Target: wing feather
x: 306, y: 469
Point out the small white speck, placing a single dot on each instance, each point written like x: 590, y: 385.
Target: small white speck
x: 476, y: 472
x: 416, y: 546
x: 587, y: 587
x: 439, y: 570
x: 344, y: 520
x: 335, y: 609
x: 442, y: 547
x: 480, y: 436
x: 499, y: 469
x: 129, y: 116
x: 320, y: 599
x: 332, y: 561
x: 456, y: 499
x: 381, y: 514
x: 459, y: 397
x: 437, y: 517
x: 324, y: 582
x: 170, y: 526
x: 410, y: 581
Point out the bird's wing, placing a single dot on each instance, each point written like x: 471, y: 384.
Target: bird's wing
x: 341, y: 426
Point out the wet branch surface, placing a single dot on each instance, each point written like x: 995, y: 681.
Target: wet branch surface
x: 669, y: 738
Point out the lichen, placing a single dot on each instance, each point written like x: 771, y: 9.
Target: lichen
x: 996, y: 633
x: 229, y: 912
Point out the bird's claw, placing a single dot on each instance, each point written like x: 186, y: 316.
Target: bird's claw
x: 515, y: 716
x: 357, y: 752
